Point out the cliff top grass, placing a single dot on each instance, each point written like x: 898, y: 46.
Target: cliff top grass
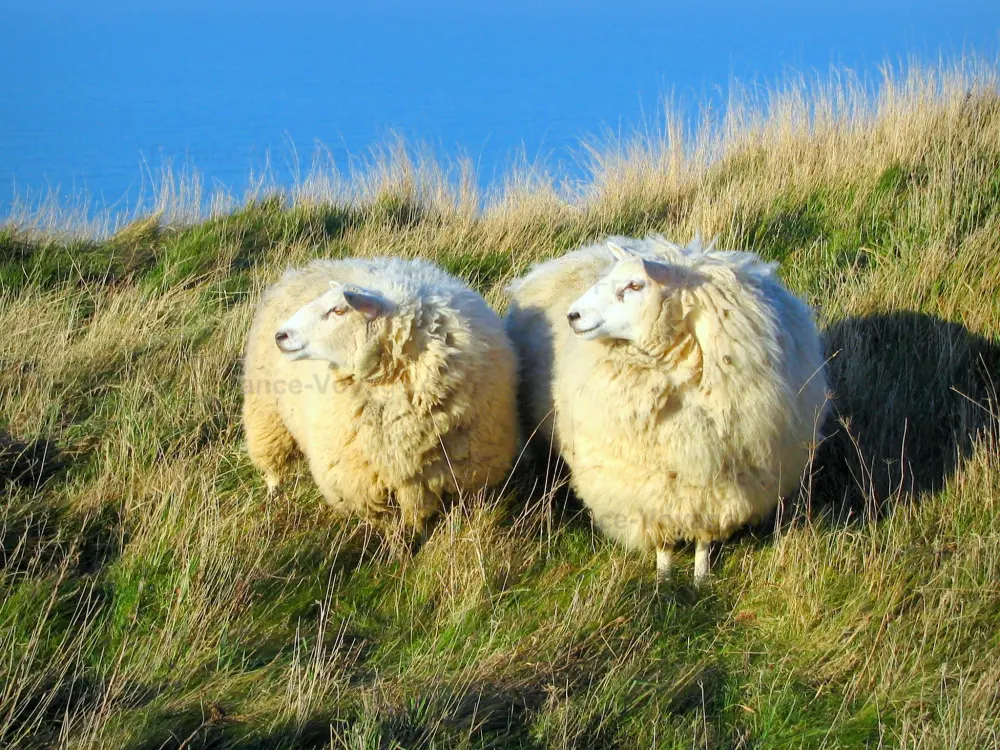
x: 151, y: 596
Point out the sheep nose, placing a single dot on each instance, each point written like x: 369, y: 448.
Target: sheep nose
x: 289, y: 341
x: 286, y: 342
x: 573, y: 316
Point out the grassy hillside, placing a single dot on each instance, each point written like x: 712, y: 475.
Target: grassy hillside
x: 152, y: 597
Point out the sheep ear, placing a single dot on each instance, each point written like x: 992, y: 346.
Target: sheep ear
x: 665, y: 274
x: 618, y: 251
x: 367, y: 304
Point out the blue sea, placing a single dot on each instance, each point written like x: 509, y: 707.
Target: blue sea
x: 95, y: 94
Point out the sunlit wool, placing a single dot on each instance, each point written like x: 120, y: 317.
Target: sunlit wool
x: 688, y: 399
x: 397, y: 383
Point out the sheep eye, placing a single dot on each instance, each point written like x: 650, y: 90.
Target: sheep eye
x: 334, y: 311
x: 632, y: 286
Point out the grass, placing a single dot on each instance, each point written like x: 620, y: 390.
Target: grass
x: 152, y: 597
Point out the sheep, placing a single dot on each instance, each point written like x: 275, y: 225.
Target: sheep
x: 683, y: 386
x: 395, y: 380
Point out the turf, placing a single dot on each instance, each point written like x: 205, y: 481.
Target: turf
x: 151, y: 596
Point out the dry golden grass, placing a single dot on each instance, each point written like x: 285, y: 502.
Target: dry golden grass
x: 151, y: 597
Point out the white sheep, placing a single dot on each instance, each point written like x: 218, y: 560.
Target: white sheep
x: 396, y: 381
x: 684, y: 387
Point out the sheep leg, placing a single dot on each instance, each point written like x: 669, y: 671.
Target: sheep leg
x: 664, y: 562
x: 270, y: 445
x: 701, y: 562
x: 417, y: 504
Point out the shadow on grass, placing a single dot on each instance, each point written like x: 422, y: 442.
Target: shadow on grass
x: 489, y: 717
x: 29, y: 463
x: 912, y: 393
x: 35, y: 532
x: 54, y: 700
x: 209, y: 728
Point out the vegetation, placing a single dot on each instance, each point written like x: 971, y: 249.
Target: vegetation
x: 151, y: 596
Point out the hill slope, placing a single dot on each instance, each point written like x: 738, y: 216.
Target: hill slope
x: 151, y: 597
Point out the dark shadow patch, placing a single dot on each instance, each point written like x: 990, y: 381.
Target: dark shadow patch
x: 541, y: 344
x: 29, y: 463
x: 495, y: 713
x: 541, y: 473
x: 52, y: 702
x: 190, y: 728
x: 29, y: 534
x: 541, y: 483
x: 36, y: 534
x: 100, y: 539
x: 912, y: 393
x: 491, y: 715
x: 211, y: 728
x: 313, y: 734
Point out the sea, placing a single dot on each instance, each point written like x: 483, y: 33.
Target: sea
x: 97, y: 97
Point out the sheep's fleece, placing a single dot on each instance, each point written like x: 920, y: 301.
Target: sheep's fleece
x: 700, y: 431
x: 421, y: 406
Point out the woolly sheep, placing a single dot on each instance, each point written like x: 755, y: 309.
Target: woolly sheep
x: 684, y: 387
x: 396, y: 381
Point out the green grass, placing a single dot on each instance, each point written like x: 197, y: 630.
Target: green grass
x: 151, y: 596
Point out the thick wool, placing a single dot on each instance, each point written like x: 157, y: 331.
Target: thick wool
x: 424, y: 408
x: 700, y: 430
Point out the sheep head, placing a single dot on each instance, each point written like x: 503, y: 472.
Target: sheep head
x: 343, y: 326
x: 627, y: 304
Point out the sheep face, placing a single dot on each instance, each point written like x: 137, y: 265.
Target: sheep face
x: 336, y: 327
x: 625, y: 305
